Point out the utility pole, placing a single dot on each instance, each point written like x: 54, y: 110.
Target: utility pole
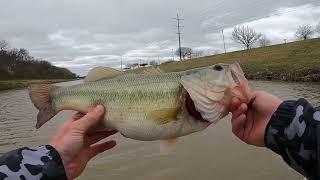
x: 172, y: 55
x: 179, y: 32
x: 224, y: 44
x: 121, y: 63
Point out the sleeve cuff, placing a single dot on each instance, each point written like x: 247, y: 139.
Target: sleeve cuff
x: 53, y: 169
x: 42, y: 162
x: 280, y: 119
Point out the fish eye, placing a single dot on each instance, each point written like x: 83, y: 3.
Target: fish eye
x: 218, y: 68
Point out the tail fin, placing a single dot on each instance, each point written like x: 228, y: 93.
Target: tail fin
x: 40, y: 97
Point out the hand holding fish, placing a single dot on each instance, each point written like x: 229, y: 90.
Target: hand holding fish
x: 249, y: 121
x: 76, y: 145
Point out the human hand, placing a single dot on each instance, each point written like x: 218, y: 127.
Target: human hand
x: 249, y: 123
x: 76, y: 144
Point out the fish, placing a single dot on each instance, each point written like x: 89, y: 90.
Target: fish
x: 152, y: 105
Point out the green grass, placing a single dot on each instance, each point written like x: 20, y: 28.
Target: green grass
x: 15, y: 84
x: 297, y: 61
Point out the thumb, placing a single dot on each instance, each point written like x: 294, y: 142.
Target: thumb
x: 239, y: 120
x: 91, y: 119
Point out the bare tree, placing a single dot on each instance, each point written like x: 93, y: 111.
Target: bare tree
x: 3, y: 45
x: 264, y: 41
x: 304, y: 32
x: 24, y: 54
x: 185, y: 52
x: 245, y: 36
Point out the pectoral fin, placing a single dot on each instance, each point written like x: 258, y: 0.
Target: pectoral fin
x: 167, y: 146
x: 163, y: 116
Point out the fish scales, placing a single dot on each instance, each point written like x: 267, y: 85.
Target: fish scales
x: 149, y: 106
x: 141, y: 96
x: 135, y: 90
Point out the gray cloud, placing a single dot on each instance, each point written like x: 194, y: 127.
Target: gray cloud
x: 82, y: 34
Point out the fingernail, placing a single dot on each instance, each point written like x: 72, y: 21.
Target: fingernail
x: 99, y: 109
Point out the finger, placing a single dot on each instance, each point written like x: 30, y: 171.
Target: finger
x: 239, y: 122
x: 68, y: 123
x: 250, y: 104
x: 241, y: 110
x: 77, y: 116
x: 97, y: 136
x: 235, y: 103
x: 65, y: 126
x: 238, y: 126
x: 99, y: 148
x: 248, y: 128
x: 92, y: 118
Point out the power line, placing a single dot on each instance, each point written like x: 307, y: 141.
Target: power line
x: 232, y: 9
x: 178, y: 19
x: 246, y: 20
x: 209, y: 8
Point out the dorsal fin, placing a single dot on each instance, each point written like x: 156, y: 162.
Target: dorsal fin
x: 98, y: 73
x: 153, y: 70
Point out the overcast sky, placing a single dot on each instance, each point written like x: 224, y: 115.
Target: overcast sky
x: 83, y: 34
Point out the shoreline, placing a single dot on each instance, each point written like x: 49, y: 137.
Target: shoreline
x: 23, y: 83
x: 284, y: 77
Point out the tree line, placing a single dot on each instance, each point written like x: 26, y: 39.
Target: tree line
x: 19, y: 64
x: 248, y: 37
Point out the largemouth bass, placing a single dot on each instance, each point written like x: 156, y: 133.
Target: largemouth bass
x: 149, y: 106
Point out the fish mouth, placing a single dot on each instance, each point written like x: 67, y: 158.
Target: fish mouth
x: 192, y: 109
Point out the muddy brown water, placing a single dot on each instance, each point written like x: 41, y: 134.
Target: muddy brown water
x: 214, y: 153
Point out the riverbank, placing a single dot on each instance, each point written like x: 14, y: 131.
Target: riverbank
x: 296, y: 61
x: 16, y: 84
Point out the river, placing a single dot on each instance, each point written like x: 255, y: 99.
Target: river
x: 214, y: 153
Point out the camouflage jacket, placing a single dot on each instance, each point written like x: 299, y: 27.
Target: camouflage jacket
x: 42, y: 162
x: 293, y: 132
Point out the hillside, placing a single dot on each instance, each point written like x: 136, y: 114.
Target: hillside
x: 297, y: 61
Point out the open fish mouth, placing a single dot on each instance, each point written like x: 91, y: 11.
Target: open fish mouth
x: 209, y: 91
x: 192, y: 109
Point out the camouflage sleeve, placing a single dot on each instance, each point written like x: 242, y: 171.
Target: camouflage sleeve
x: 42, y: 162
x: 294, y: 133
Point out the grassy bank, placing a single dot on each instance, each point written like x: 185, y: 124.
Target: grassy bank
x: 297, y: 61
x: 15, y: 84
